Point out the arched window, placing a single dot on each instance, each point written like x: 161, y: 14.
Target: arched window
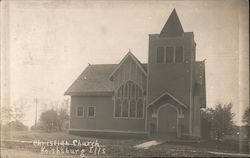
x: 126, y: 91
x: 139, y: 93
x: 119, y: 93
x: 132, y: 91
x: 129, y: 101
x: 140, y: 108
x: 118, y: 108
x: 125, y: 108
x: 132, y: 109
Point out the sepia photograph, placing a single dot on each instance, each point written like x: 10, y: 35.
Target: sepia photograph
x: 106, y: 78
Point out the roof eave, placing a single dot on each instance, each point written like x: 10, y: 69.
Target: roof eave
x: 90, y: 93
x: 167, y: 93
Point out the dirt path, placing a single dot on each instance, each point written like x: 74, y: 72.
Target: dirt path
x: 147, y: 144
x: 13, y: 153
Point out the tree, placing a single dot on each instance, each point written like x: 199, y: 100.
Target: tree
x: 63, y: 117
x: 15, y: 126
x: 18, y: 114
x: 221, y: 119
x: 246, y: 117
x: 49, y: 120
x: 6, y: 114
x: 12, y: 113
x: 52, y: 120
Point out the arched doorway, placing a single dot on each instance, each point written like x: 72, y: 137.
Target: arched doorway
x: 167, y: 123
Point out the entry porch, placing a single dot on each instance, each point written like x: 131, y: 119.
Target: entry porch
x: 167, y: 118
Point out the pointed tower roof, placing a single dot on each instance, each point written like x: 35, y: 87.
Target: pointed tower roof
x: 173, y: 27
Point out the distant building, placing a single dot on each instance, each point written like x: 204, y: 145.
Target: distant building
x: 161, y: 98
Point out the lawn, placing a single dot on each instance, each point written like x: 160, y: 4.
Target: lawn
x: 113, y: 147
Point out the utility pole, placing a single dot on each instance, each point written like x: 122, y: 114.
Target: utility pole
x: 36, y: 100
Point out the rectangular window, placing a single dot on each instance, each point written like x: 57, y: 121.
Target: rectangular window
x: 160, y: 55
x: 91, y: 111
x: 80, y: 111
x: 178, y: 54
x: 169, y: 54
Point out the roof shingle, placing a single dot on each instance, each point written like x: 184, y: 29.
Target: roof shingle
x: 95, y: 78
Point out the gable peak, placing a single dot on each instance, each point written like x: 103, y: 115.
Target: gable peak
x: 133, y: 58
x: 173, y: 27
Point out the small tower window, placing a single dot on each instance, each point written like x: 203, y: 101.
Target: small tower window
x: 160, y: 55
x: 178, y: 54
x: 169, y: 54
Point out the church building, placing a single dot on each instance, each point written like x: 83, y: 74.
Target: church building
x: 161, y: 98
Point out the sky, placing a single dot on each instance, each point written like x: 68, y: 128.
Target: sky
x: 52, y: 42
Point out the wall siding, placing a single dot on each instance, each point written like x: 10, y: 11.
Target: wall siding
x: 129, y: 71
x: 104, y: 116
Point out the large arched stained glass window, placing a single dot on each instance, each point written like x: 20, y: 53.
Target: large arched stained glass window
x: 118, y: 108
x: 126, y: 90
x: 140, y: 108
x: 133, y: 91
x: 125, y: 108
x: 132, y: 108
x: 129, y: 101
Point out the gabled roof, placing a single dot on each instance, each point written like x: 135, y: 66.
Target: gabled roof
x: 95, y: 78
x: 171, y: 96
x: 129, y: 54
x: 173, y: 27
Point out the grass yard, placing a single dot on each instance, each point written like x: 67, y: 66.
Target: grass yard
x: 114, y: 147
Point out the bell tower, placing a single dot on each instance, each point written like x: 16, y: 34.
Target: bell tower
x: 171, y: 61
